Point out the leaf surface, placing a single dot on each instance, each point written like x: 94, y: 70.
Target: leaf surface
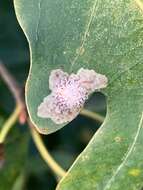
x: 107, y: 37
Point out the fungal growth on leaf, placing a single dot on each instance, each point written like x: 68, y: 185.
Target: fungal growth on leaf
x: 69, y: 93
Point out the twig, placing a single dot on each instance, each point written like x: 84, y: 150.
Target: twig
x: 9, y: 123
x: 92, y: 115
x: 45, y: 154
x: 12, y: 84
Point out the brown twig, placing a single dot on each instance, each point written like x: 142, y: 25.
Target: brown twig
x: 12, y: 84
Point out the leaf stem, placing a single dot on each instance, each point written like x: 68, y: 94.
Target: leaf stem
x: 9, y: 123
x: 45, y: 154
x: 92, y: 115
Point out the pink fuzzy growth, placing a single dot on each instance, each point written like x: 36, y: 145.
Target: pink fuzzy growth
x: 69, y: 93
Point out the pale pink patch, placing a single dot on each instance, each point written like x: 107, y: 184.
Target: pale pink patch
x: 69, y: 93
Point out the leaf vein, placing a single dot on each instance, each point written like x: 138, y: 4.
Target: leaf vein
x: 84, y: 38
x: 38, y: 22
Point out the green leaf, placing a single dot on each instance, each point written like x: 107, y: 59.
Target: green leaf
x: 106, y: 36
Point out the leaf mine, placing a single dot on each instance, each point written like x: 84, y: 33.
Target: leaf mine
x: 69, y: 93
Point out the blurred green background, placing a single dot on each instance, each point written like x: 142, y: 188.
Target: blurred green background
x: 21, y: 167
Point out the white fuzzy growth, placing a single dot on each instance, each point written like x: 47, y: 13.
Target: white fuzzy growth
x: 69, y: 93
x: 91, y: 80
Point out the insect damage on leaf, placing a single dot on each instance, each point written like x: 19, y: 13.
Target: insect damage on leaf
x: 69, y: 93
